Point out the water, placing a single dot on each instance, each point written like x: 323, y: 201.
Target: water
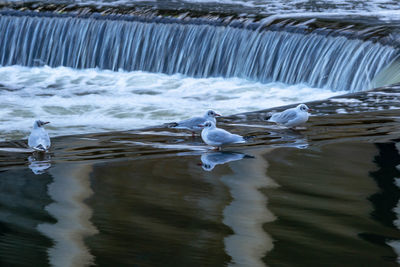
x: 313, y: 194
x: 337, y: 63
x: 335, y: 206
x: 386, y: 10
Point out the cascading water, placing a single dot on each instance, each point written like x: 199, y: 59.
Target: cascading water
x: 94, y: 73
x: 334, y: 62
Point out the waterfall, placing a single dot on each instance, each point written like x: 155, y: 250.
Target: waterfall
x: 198, y: 50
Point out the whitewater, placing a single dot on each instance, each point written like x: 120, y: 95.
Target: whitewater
x: 94, y: 100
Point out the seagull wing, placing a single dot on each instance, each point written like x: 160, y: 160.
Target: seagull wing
x: 190, y: 123
x: 285, y: 116
x: 46, y: 140
x: 224, y: 137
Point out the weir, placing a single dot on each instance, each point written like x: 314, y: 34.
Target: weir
x: 198, y: 50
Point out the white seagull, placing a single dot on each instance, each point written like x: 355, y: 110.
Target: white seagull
x: 292, y: 117
x: 39, y: 140
x: 217, y: 137
x: 192, y: 124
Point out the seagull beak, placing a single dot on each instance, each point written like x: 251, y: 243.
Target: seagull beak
x: 310, y: 109
x: 200, y: 125
x: 46, y: 122
x: 217, y: 115
x: 199, y: 164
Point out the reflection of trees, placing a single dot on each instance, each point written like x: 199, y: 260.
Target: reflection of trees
x: 385, y: 177
x: 386, y: 203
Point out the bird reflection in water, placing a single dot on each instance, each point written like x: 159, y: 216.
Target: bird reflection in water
x: 210, y: 159
x: 39, y: 162
x: 289, y: 138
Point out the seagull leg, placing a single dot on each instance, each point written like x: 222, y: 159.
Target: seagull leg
x: 193, y: 134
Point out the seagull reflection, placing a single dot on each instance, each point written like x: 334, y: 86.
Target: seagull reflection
x: 39, y: 162
x: 289, y: 138
x: 210, y: 159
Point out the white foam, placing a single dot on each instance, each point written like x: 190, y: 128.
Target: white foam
x: 345, y: 100
x: 387, y: 10
x: 92, y: 100
x: 383, y: 15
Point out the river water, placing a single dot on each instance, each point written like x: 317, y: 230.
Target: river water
x: 324, y: 195
x: 118, y: 188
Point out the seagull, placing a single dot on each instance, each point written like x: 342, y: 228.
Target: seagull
x: 210, y: 159
x: 39, y: 140
x: 192, y: 124
x: 217, y: 137
x: 292, y: 117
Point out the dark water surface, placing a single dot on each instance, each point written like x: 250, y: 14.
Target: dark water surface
x: 325, y: 195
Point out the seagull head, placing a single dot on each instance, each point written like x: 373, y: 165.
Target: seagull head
x: 207, y: 167
x: 212, y: 114
x: 39, y: 123
x: 206, y: 164
x: 303, y: 107
x: 207, y: 124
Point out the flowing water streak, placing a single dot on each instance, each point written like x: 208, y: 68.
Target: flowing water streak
x: 197, y: 50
